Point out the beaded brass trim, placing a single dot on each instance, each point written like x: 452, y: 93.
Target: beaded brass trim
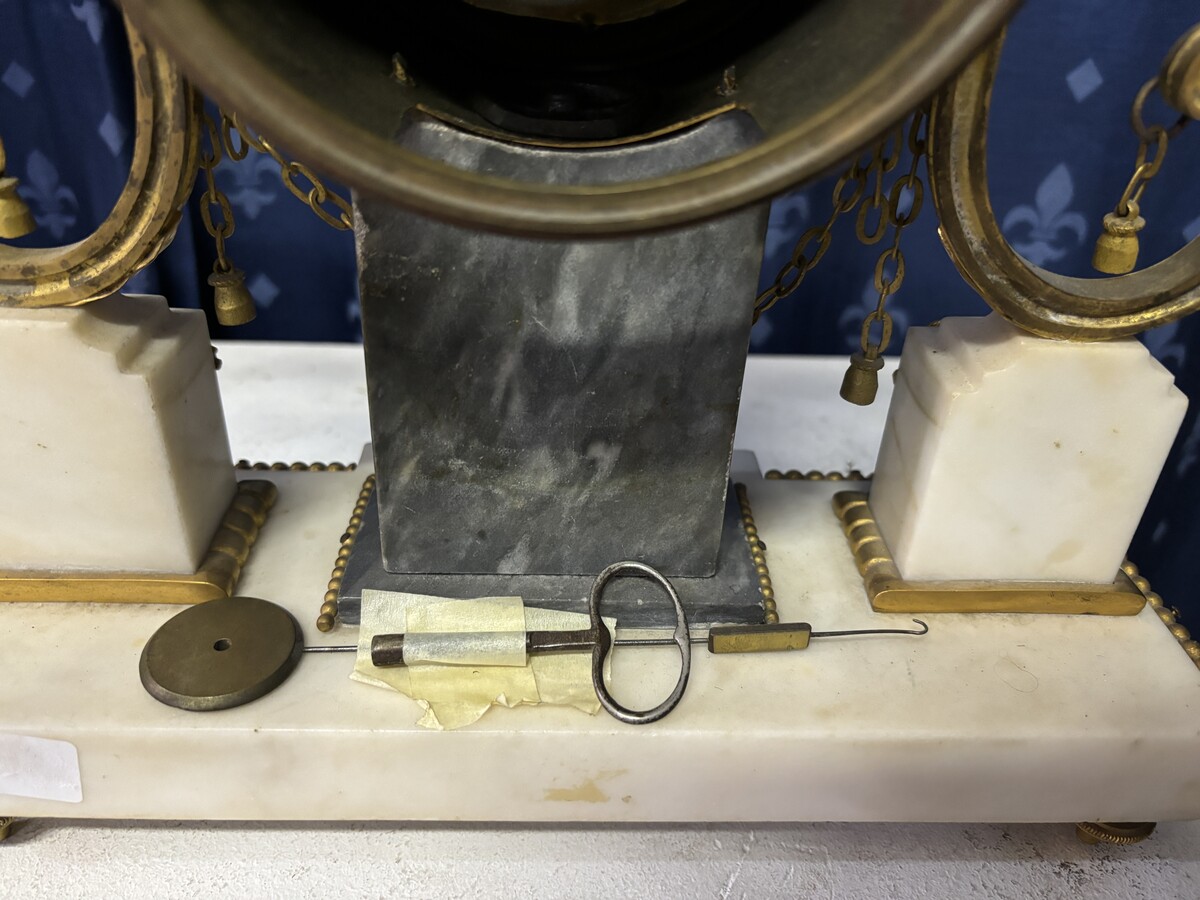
x: 329, y: 605
x: 758, y: 553
x: 815, y: 475
x: 1168, y: 615
x: 217, y: 576
x: 6, y: 824
x: 245, y: 465
x: 889, y: 592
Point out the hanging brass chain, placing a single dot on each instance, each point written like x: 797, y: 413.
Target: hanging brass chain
x: 803, y: 259
x: 213, y: 197
x: 331, y: 208
x: 889, y: 268
x: 848, y: 193
x: 862, y: 382
x: 231, y: 300
x: 1150, y: 137
x: 1117, y: 248
x: 862, y: 378
x: 883, y: 161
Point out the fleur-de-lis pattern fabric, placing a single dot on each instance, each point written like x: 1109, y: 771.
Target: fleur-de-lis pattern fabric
x: 1047, y: 230
x: 1060, y: 152
x: 54, y: 204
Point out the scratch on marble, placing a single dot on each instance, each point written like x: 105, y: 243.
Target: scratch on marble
x: 1015, y: 675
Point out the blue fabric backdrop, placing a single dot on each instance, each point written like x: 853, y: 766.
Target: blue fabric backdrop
x: 1060, y: 152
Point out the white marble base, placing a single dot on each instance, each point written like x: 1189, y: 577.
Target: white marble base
x: 1009, y: 457
x: 987, y: 718
x: 115, y: 455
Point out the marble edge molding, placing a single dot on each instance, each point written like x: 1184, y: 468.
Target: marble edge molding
x: 217, y: 575
x: 888, y: 591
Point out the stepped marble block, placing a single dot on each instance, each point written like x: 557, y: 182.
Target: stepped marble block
x: 115, y: 452
x: 1011, y: 457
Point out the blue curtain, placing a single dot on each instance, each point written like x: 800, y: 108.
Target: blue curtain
x: 1061, y: 151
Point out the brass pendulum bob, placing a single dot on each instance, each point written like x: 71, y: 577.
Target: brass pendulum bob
x: 231, y: 298
x: 861, y: 381
x: 1117, y: 248
x: 15, y: 218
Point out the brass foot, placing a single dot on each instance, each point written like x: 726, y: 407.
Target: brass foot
x: 1113, y: 832
x: 6, y: 825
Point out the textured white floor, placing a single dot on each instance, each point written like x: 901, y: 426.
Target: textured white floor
x: 308, y: 403
x: 70, y: 859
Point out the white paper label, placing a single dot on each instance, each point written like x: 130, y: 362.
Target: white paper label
x: 39, y: 768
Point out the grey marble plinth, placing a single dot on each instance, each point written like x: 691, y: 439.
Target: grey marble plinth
x: 730, y: 596
x: 539, y: 404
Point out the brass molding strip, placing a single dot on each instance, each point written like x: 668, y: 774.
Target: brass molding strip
x: 1168, y: 615
x: 889, y: 592
x: 758, y: 553
x: 329, y: 604
x: 217, y: 576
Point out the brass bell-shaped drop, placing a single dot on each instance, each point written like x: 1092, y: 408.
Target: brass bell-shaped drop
x: 1117, y: 248
x: 15, y: 218
x: 861, y: 381
x: 231, y: 298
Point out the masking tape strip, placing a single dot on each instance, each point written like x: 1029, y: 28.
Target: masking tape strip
x: 40, y: 768
x: 466, y: 648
